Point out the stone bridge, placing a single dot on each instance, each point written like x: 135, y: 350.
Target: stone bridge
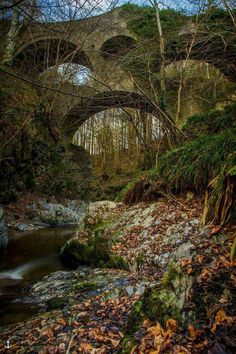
x: 98, y: 43
x: 95, y: 43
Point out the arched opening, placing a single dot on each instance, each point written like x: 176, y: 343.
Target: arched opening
x: 67, y: 73
x: 117, y: 46
x: 210, y: 49
x: 42, y: 54
x: 89, y: 106
x: 195, y: 86
x: 120, y: 141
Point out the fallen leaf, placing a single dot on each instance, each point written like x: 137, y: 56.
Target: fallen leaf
x: 172, y: 325
x: 86, y: 347
x: 115, y: 342
x: 215, y: 230
x: 205, y: 275
x: 192, y: 332
x: 200, y: 258
x: 61, y: 321
x: 221, y: 318
x: 178, y: 349
x: 186, y: 261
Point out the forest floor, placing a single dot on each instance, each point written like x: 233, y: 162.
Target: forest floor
x: 149, y: 236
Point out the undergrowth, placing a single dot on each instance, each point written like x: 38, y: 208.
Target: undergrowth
x: 216, y: 121
x: 195, y: 164
x: 201, y: 162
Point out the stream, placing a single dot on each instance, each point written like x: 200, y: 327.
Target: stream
x: 27, y: 259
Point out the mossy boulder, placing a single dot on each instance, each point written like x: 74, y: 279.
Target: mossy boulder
x: 94, y: 253
x: 93, y: 245
x: 161, y: 302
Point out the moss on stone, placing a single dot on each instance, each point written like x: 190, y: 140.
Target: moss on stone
x: 85, y: 286
x: 172, y: 273
x: 56, y: 303
x: 127, y: 344
x: 135, y: 318
x: 94, y: 253
x: 117, y: 262
x: 158, y: 303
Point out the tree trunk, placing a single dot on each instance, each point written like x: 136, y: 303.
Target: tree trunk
x: 11, y: 40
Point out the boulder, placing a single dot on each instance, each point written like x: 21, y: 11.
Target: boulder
x: 55, y: 214
x: 3, y: 231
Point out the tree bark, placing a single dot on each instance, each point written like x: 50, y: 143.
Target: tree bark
x: 11, y: 39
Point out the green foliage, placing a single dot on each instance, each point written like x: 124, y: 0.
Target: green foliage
x: 220, y: 202
x: 85, y: 286
x: 60, y: 176
x: 217, y: 18
x: 56, y: 303
x: 215, y: 121
x: 32, y: 155
x: 141, y: 20
x: 17, y: 132
x: 118, y: 262
x: 193, y: 165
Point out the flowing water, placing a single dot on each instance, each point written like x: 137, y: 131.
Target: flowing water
x: 28, y: 258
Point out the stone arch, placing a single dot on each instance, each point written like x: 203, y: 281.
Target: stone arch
x: 40, y: 54
x: 210, y: 49
x: 88, y: 106
x: 117, y: 46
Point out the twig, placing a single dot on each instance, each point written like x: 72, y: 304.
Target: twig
x: 69, y: 346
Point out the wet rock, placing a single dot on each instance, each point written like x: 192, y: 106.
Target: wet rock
x: 3, y: 231
x: 26, y: 227
x: 62, y: 287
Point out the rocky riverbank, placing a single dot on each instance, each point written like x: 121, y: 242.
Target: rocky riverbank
x: 35, y: 211
x: 175, y: 293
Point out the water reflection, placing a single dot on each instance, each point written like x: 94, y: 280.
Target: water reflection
x: 28, y: 258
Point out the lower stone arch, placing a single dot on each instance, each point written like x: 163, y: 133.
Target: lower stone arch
x: 88, y: 106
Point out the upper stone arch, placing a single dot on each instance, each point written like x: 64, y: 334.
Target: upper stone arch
x: 117, y: 46
x: 210, y: 49
x: 39, y: 54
